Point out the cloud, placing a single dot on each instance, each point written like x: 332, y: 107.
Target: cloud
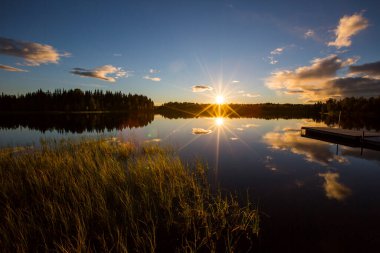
x: 154, y: 71
x: 354, y: 86
x: 348, y: 27
x: 309, y: 34
x: 317, y: 81
x: 277, y: 51
x: 240, y: 91
x: 371, y: 69
x: 154, y: 79
x: 274, y: 52
x: 201, y: 88
x: 201, y: 131
x: 12, y: 69
x: 251, y: 95
x: 313, y: 151
x: 34, y: 54
x: 334, y: 189
x: 101, y: 72
x: 117, y: 55
x: 235, y: 81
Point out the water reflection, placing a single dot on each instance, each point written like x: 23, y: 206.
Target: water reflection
x: 201, y: 131
x: 333, y: 188
x: 313, y: 151
x: 75, y: 122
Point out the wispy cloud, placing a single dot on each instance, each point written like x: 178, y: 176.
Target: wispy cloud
x: 318, y: 81
x: 12, y: 69
x: 154, y: 79
x: 101, y: 72
x: 154, y: 71
x: 235, y: 81
x: 348, y: 27
x: 117, y: 55
x: 309, y: 34
x: 251, y: 95
x: 273, y: 53
x: 201, y: 88
x: 372, y: 69
x: 34, y: 54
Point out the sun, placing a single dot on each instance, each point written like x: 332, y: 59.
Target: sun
x: 219, y: 121
x: 219, y: 99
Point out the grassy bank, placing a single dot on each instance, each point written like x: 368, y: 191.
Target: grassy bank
x: 104, y: 196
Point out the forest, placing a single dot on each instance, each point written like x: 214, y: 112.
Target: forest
x: 74, y: 101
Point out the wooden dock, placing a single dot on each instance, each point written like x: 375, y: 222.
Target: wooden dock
x: 353, y: 138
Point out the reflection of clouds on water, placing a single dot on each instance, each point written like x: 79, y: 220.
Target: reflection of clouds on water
x: 269, y: 164
x: 240, y: 129
x: 234, y: 138
x: 250, y: 125
x: 313, y: 151
x: 200, y: 131
x: 153, y: 140
x: 334, y: 189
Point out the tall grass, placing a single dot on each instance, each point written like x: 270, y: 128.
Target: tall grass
x: 102, y: 196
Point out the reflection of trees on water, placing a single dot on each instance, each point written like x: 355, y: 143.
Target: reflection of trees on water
x: 76, y: 122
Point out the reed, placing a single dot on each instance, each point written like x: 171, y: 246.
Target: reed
x: 106, y: 196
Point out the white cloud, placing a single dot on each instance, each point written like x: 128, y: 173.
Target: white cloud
x: 309, y: 34
x: 101, y: 72
x: 201, y: 88
x: 275, y: 52
x: 279, y: 50
x: 34, y: 54
x: 348, y: 27
x: 235, y: 81
x: 154, y: 79
x: 251, y: 95
x: 12, y: 69
x: 154, y: 71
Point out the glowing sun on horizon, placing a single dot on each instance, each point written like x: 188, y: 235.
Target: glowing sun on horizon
x: 219, y: 99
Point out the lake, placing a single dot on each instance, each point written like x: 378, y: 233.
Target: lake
x: 313, y: 196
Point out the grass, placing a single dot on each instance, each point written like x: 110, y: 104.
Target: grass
x: 105, y: 196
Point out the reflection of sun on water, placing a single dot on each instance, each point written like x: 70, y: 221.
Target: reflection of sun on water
x: 219, y: 121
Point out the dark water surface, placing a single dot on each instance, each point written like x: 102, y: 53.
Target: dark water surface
x: 313, y: 196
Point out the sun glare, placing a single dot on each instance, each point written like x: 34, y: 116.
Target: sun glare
x: 219, y: 121
x: 219, y: 99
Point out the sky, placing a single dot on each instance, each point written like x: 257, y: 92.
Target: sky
x: 248, y: 51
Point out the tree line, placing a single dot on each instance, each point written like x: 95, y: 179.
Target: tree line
x: 265, y: 110
x: 352, y: 105
x: 74, y: 100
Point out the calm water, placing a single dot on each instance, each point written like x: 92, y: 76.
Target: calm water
x: 313, y: 196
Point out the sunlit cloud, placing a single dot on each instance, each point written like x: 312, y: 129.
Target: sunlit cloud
x: 201, y: 88
x: 101, y: 72
x: 348, y: 27
x: 369, y: 69
x: 154, y: 79
x: 235, y: 81
x: 309, y: 34
x: 11, y: 69
x: 201, y: 131
x: 317, y: 81
x: 155, y: 140
x: 334, y: 189
x: 34, y: 54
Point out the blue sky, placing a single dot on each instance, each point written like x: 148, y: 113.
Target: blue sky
x: 251, y: 51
